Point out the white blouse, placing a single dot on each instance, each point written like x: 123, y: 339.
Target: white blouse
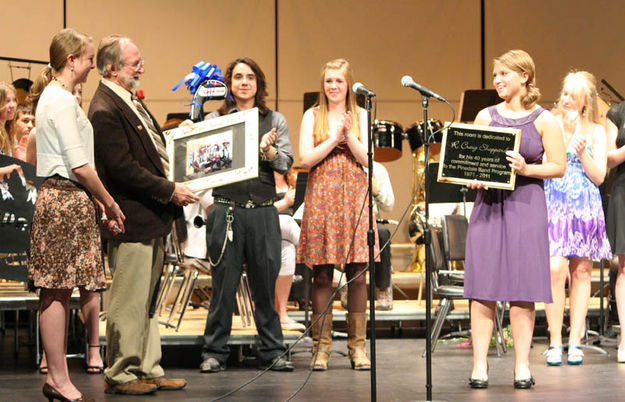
x: 64, y: 134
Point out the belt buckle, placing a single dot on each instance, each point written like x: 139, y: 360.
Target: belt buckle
x: 249, y: 204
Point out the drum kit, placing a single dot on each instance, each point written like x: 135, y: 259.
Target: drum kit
x: 388, y: 137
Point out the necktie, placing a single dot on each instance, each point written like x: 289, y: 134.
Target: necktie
x: 158, y: 141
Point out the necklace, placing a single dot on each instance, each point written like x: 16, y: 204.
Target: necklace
x: 60, y: 82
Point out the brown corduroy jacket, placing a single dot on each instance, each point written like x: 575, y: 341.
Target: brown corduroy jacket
x: 130, y: 168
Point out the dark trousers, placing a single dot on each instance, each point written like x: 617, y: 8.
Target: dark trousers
x: 383, y: 268
x: 256, y: 240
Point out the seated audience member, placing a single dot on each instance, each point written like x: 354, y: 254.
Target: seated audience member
x: 20, y: 127
x: 285, y: 190
x: 383, y: 199
x: 8, y: 104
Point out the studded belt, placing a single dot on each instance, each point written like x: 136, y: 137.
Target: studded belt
x: 248, y: 204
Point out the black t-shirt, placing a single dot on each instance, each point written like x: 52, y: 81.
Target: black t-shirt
x: 616, y: 114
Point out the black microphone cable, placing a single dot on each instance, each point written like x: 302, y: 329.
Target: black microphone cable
x: 323, y: 314
x: 308, y: 329
x: 367, y: 268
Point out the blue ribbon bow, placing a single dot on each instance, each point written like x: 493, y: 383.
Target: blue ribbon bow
x: 201, y: 72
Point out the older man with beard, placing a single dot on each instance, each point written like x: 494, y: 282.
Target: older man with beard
x: 133, y: 165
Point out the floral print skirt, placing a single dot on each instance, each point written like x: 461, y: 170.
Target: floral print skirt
x: 336, y: 215
x: 65, y: 244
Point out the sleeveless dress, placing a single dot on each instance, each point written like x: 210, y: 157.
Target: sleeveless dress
x: 507, y: 251
x: 335, y: 193
x: 576, y: 220
x: 615, y: 218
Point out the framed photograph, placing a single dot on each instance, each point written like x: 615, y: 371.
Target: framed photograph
x: 214, y: 152
x: 470, y: 152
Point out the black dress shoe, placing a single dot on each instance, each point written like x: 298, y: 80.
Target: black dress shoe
x: 524, y: 384
x: 211, y: 365
x: 278, y: 363
x: 477, y: 383
x: 51, y: 393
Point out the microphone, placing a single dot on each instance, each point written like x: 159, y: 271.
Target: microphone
x: 407, y: 81
x: 360, y: 89
x: 199, y: 221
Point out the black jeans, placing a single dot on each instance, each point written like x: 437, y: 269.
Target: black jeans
x: 256, y: 240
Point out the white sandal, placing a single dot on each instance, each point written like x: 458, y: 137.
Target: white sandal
x: 554, y: 355
x: 575, y: 355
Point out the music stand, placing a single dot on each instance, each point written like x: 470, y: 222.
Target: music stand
x: 474, y: 100
x: 300, y: 189
x: 447, y: 192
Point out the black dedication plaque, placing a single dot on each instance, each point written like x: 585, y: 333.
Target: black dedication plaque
x: 470, y: 152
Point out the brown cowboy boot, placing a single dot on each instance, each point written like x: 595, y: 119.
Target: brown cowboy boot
x: 322, y: 341
x: 356, y: 339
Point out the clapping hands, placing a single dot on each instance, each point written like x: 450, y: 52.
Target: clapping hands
x: 344, y: 128
x: 570, y: 121
x: 268, y: 140
x: 578, y: 141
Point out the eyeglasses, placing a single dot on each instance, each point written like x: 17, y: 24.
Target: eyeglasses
x: 136, y: 66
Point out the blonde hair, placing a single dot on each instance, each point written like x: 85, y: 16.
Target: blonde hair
x: 521, y: 62
x: 65, y: 43
x: 584, y: 89
x: 321, y: 128
x: 6, y: 139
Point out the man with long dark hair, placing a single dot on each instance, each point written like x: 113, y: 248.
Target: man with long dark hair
x: 245, y: 212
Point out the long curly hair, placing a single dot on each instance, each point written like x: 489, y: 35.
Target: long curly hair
x: 261, y: 86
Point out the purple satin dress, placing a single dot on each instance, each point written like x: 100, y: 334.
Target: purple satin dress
x: 507, y: 252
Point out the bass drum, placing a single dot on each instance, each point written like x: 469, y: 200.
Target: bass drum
x: 387, y: 138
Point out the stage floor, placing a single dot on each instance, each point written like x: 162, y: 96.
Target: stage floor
x: 400, y: 377
x: 192, y: 326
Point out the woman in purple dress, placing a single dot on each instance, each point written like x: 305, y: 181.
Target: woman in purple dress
x: 507, y: 254
x: 577, y: 234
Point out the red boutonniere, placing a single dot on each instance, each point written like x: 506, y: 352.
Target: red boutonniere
x: 140, y: 94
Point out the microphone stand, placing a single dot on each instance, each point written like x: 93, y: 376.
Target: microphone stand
x: 371, y: 244
x: 427, y: 239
